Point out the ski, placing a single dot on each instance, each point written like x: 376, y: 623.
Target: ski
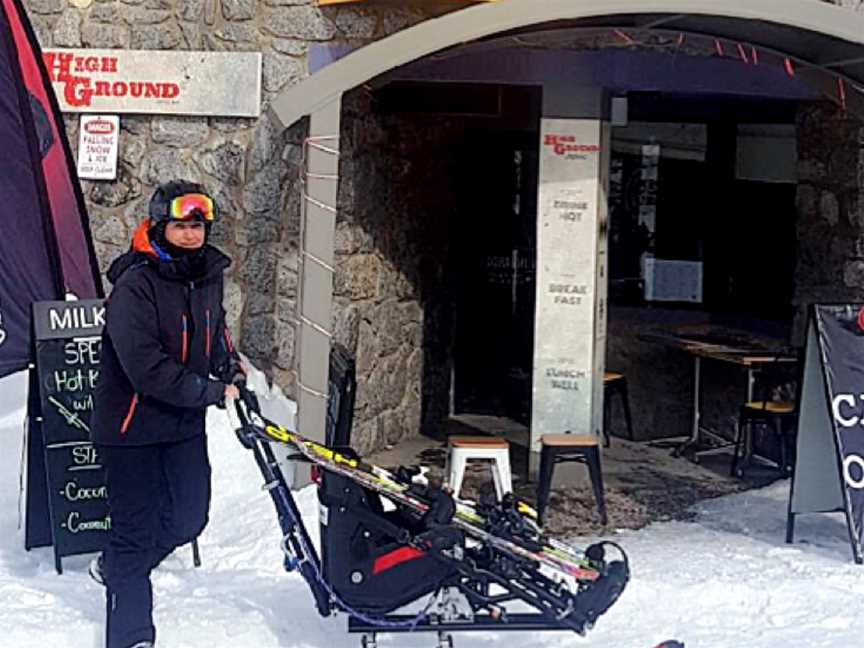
x: 473, y: 561
x: 554, y: 555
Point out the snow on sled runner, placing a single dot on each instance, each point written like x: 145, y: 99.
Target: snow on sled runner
x: 465, y: 565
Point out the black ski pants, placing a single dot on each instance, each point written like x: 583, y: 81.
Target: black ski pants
x: 159, y: 497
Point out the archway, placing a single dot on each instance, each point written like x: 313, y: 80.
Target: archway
x: 822, y: 42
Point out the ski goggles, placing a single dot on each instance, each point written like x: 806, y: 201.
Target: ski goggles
x: 189, y: 206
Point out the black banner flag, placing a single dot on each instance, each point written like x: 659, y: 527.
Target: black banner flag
x: 45, y: 246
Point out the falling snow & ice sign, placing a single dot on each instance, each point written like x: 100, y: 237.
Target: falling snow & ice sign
x: 98, y: 140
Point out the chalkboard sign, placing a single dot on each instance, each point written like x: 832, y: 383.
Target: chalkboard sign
x: 68, y: 346
x: 829, y: 467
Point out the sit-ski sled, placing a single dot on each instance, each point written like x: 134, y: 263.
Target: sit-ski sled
x: 470, y: 569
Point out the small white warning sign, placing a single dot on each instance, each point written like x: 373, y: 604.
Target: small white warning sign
x: 98, y: 142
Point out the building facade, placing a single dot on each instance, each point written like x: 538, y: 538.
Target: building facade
x: 399, y: 223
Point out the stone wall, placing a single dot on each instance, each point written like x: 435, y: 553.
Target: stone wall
x: 392, y: 290
x: 830, y: 209
x: 251, y: 169
x: 830, y: 206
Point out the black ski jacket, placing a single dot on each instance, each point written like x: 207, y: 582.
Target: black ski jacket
x: 164, y: 340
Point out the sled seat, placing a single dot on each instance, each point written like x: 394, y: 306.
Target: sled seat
x: 364, y: 554
x: 561, y: 448
x: 462, y: 449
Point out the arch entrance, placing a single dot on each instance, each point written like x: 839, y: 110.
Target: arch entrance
x: 816, y: 45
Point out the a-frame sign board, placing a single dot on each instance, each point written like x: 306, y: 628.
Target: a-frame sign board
x: 829, y: 466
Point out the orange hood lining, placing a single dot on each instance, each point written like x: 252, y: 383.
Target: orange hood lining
x: 141, y: 240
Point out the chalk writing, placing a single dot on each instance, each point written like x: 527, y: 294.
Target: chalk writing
x: 85, y: 455
x: 71, y: 417
x: 80, y: 317
x: 74, y: 492
x: 85, y: 351
x: 74, y: 380
x: 74, y: 523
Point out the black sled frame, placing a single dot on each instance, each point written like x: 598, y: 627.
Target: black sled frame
x: 375, y: 562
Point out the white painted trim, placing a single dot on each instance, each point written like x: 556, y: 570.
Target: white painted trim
x: 485, y: 20
x: 315, y: 298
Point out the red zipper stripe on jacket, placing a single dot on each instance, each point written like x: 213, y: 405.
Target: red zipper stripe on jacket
x: 184, y: 349
x: 228, y: 340
x: 129, y: 414
x: 207, y: 339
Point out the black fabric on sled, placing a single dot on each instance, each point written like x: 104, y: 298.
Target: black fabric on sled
x: 340, y: 404
x: 355, y: 532
x: 355, y: 529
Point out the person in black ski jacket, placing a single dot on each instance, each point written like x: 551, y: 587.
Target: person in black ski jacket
x: 166, y: 357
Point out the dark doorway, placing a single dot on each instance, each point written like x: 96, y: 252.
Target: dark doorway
x: 494, y: 258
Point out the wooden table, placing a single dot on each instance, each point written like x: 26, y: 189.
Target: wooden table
x: 751, y: 358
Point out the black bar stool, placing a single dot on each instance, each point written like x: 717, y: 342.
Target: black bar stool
x: 615, y: 384
x: 772, y: 411
x: 561, y: 448
x: 779, y: 417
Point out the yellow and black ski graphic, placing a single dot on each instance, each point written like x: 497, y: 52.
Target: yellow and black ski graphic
x: 556, y: 555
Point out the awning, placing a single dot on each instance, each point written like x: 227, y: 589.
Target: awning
x: 819, y: 39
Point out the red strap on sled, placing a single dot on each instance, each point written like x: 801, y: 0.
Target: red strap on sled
x: 395, y: 557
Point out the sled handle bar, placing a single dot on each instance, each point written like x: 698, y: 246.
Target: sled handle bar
x: 246, y: 404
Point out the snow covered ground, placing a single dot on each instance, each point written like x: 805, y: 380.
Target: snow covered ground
x: 724, y: 580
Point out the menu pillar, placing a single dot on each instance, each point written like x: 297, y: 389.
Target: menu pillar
x: 570, y: 315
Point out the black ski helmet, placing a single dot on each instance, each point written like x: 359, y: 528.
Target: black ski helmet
x: 160, y: 202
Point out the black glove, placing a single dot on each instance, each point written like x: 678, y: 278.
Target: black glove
x: 249, y: 397
x: 441, y: 510
x: 233, y: 374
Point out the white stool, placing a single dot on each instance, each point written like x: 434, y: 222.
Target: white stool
x: 461, y: 449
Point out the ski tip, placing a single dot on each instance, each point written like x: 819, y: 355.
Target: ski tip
x: 670, y: 644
